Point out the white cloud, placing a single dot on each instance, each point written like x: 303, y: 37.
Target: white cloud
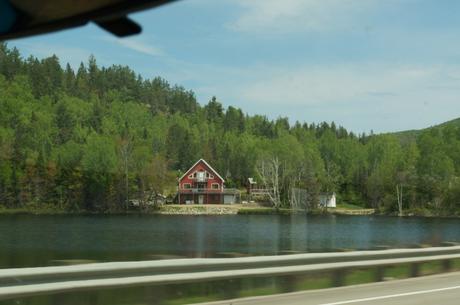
x: 311, y: 85
x: 359, y: 96
x: 136, y: 44
x: 274, y: 16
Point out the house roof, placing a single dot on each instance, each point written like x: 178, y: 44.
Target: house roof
x: 207, y: 164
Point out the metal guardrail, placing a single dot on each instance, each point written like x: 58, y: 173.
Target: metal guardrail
x: 25, y: 282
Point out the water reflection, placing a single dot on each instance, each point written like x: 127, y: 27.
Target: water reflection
x: 47, y: 240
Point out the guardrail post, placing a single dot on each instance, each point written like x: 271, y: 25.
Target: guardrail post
x: 446, y: 265
x: 379, y: 272
x: 338, y: 277
x: 414, y: 269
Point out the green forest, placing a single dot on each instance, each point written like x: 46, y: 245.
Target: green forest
x: 94, y: 138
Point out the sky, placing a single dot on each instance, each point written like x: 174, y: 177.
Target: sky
x: 365, y: 64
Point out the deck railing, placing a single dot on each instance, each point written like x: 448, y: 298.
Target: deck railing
x: 208, y: 190
x: 260, y: 191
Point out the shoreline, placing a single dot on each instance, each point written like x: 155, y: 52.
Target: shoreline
x: 221, y: 209
x: 175, y: 209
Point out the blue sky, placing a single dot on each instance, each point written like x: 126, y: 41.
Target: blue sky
x: 365, y: 64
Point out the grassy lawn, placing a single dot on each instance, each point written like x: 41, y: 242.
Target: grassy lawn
x: 360, y: 276
x: 456, y: 264
x: 317, y: 282
x: 258, y: 291
x: 348, y: 206
x: 397, y: 272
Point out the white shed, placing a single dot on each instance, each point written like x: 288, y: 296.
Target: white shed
x: 327, y: 200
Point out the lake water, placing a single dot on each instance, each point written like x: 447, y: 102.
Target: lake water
x: 27, y: 240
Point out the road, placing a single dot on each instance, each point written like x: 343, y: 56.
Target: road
x: 441, y: 289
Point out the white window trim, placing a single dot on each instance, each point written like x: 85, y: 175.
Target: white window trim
x: 212, y: 186
x: 186, y: 184
x: 207, y: 174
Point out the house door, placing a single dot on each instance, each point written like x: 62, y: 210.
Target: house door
x: 200, y: 199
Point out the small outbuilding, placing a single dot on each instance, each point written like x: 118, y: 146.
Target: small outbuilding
x: 327, y: 200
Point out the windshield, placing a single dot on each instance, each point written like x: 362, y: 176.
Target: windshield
x: 231, y: 129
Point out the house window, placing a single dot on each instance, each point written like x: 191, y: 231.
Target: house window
x: 187, y: 185
x: 215, y: 186
x: 200, y: 176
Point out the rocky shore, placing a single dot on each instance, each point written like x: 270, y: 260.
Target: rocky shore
x: 217, y: 209
x: 221, y: 209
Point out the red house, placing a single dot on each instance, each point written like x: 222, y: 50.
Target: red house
x: 202, y: 184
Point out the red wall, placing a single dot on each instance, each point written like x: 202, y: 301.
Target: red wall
x: 201, y: 166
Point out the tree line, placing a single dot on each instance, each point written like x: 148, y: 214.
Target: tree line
x: 94, y: 138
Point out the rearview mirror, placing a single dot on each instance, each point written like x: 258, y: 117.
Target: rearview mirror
x: 21, y: 18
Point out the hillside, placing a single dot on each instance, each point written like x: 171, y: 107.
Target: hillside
x: 452, y: 123
x: 96, y: 138
x: 408, y: 135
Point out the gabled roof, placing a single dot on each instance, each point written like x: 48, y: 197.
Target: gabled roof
x: 207, y: 164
